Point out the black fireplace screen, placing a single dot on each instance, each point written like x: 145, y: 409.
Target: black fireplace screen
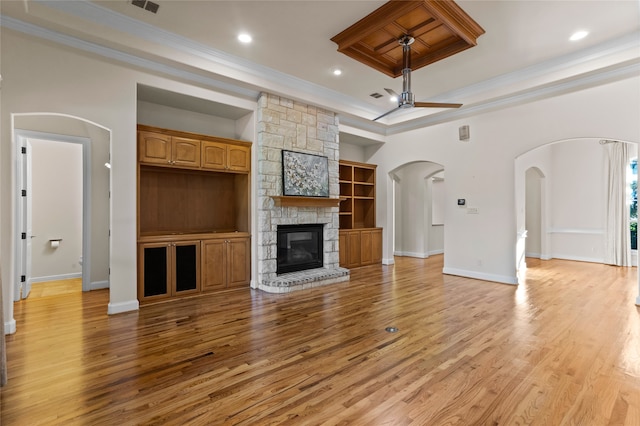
x: 299, y: 247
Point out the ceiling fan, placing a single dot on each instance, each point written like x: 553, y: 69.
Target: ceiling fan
x: 406, y: 99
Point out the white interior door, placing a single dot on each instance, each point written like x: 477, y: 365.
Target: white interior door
x: 24, y: 220
x: 26, y: 289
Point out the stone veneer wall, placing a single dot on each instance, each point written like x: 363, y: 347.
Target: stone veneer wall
x: 290, y: 125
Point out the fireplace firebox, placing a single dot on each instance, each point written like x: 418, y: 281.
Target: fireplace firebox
x: 299, y: 247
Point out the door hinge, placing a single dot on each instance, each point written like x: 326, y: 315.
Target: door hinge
x: 24, y: 192
x: 23, y: 278
x: 24, y: 236
x: 23, y: 150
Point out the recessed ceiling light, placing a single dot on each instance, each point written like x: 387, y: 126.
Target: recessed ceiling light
x: 337, y: 71
x: 244, y: 38
x: 393, y: 99
x: 578, y: 35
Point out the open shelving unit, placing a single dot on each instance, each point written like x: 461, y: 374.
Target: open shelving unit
x: 358, y: 188
x: 360, y: 240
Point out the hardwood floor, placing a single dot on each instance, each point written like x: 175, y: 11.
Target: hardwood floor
x: 55, y: 288
x: 561, y: 349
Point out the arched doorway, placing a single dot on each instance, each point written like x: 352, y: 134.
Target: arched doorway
x: 560, y: 199
x: 95, y: 141
x: 418, y: 219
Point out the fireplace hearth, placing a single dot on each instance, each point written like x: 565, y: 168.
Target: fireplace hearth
x: 299, y: 247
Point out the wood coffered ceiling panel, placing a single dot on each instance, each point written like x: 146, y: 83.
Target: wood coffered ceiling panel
x: 440, y: 29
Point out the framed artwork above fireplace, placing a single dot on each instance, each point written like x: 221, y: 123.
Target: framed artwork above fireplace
x: 305, y: 175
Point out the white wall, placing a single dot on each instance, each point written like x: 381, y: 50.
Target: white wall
x: 166, y: 117
x: 576, y: 201
x: 352, y: 152
x: 482, y: 170
x: 57, y: 209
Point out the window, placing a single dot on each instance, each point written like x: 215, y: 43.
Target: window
x: 632, y: 178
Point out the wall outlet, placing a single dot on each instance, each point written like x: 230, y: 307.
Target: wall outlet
x: 472, y: 210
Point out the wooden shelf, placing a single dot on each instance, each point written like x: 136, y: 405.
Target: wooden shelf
x: 358, y: 188
x: 296, y: 201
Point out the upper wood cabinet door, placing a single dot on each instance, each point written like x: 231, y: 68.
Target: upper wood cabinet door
x: 154, y: 148
x: 185, y: 152
x: 214, y: 155
x: 239, y: 158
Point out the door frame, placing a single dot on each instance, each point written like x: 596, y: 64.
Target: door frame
x: 21, y: 172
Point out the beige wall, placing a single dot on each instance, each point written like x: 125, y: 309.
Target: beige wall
x: 57, y: 209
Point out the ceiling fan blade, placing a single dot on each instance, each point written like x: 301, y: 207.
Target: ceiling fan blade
x: 435, y: 105
x: 386, y: 113
x: 392, y: 93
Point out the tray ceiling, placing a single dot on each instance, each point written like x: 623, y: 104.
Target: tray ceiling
x: 440, y: 29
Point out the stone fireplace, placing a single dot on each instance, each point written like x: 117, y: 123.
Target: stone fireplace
x: 284, y: 124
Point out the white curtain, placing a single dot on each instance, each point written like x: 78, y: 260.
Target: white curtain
x: 617, y: 236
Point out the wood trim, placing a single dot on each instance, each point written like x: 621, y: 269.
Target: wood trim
x: 295, y: 201
x: 189, y: 135
x: 441, y: 28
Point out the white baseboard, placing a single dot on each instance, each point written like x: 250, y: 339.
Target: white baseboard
x: 56, y: 277
x: 99, y: 285
x: 481, y: 276
x: 10, y: 326
x: 411, y: 254
x: 534, y: 255
x: 387, y: 261
x: 577, y: 258
x: 117, y: 308
x: 417, y: 254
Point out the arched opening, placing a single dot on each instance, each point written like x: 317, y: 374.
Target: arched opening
x: 561, y: 194
x: 49, y: 129
x: 418, y: 209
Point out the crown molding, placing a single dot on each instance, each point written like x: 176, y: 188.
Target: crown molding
x: 624, y: 70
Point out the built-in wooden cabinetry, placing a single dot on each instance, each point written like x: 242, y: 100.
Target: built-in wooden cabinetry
x: 360, y: 240
x: 193, y: 213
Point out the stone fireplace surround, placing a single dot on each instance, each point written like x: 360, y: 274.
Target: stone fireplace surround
x: 287, y: 124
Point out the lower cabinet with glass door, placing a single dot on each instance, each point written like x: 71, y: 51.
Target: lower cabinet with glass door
x: 170, y: 269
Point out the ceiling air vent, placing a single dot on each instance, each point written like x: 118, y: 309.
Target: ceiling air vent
x: 376, y: 95
x: 146, y: 5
